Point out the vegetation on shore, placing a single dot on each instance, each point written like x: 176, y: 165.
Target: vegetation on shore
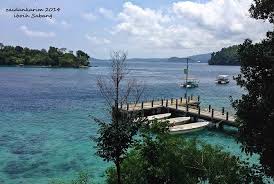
x: 159, y: 157
x: 54, y: 57
x: 226, y: 56
x: 255, y: 109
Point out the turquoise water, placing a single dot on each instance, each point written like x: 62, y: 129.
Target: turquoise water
x: 45, y: 115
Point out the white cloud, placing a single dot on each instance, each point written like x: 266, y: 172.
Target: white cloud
x: 62, y: 23
x: 106, y: 13
x: 89, y: 16
x: 96, y: 40
x: 190, y: 25
x: 33, y: 33
x: 219, y: 15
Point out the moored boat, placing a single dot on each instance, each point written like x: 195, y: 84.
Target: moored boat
x: 158, y: 116
x: 222, y: 79
x: 178, y: 120
x: 191, y: 83
x: 190, y: 127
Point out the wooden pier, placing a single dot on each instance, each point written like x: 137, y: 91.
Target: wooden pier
x: 178, y: 107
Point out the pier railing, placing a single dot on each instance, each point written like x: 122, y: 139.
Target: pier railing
x: 185, y: 105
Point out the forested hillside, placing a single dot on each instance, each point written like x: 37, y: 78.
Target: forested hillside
x: 226, y: 56
x: 55, y: 57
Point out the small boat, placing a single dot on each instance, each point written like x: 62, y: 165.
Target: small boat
x: 191, y: 83
x: 190, y: 127
x: 222, y: 79
x: 158, y: 116
x: 178, y: 120
x: 20, y: 65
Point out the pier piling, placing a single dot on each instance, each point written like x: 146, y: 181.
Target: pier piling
x: 186, y: 108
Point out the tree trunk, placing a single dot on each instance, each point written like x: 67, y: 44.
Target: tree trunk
x: 118, y: 170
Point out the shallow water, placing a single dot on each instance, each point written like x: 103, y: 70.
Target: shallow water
x: 45, y: 115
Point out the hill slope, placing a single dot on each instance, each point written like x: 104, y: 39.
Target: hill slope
x: 226, y: 56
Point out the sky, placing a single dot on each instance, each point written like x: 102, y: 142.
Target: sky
x: 142, y: 28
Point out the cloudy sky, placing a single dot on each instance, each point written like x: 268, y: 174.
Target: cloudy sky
x: 154, y: 28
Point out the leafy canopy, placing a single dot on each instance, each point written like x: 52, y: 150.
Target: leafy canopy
x: 161, y: 158
x: 255, y: 110
x: 10, y: 55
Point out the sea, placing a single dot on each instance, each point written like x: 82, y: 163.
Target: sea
x: 46, y: 115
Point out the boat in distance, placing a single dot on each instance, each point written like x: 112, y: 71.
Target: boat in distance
x: 222, y: 79
x: 191, y: 83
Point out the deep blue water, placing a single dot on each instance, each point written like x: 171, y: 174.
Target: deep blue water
x: 45, y: 115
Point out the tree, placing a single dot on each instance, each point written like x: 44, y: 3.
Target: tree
x: 53, y: 57
x: 63, y: 50
x: 19, y: 49
x: 117, y: 136
x: 162, y: 158
x: 1, y: 46
x: 263, y: 9
x: 82, y: 58
x: 226, y: 56
x: 255, y: 109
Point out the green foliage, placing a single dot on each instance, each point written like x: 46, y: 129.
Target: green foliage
x: 255, y: 110
x: 162, y: 158
x: 81, y: 179
x: 263, y: 9
x: 54, y: 57
x: 226, y: 56
x: 115, y: 138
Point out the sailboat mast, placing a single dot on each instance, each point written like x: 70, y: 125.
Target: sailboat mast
x: 186, y: 70
x: 186, y: 81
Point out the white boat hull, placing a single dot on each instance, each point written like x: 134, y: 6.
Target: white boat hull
x: 187, y: 128
x: 158, y: 116
x: 178, y: 120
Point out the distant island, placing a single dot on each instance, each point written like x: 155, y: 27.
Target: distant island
x: 53, y: 57
x: 226, y: 56
x: 202, y: 58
